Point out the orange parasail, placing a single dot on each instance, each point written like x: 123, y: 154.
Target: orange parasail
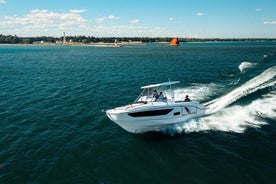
x: 175, y: 42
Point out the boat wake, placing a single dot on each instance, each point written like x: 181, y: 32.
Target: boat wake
x: 235, y: 118
x: 264, y: 80
x: 200, y: 92
x: 244, y: 66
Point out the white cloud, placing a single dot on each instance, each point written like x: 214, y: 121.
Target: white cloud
x: 129, y: 31
x: 258, y: 9
x: 38, y: 20
x: 77, y: 11
x: 200, y: 14
x: 135, y: 21
x: 171, y: 18
x: 45, y: 17
x: 100, y: 20
x: 110, y: 17
x: 270, y: 22
x: 2, y: 1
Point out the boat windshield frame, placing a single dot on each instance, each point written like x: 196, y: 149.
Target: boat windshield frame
x: 160, y: 84
x: 148, y: 90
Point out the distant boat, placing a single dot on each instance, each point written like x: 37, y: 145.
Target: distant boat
x: 175, y: 42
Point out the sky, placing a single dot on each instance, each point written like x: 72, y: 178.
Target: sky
x: 139, y: 18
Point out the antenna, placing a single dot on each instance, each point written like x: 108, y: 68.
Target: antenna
x: 172, y: 92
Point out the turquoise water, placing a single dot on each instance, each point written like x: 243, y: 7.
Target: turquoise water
x: 54, y: 129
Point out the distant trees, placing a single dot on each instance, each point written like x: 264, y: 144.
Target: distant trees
x: 9, y: 39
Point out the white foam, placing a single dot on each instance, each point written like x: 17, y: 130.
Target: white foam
x: 236, y: 118
x: 232, y: 119
x: 198, y: 92
x: 261, y: 81
x: 246, y: 65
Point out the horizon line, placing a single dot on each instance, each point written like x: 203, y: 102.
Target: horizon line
x: 272, y: 38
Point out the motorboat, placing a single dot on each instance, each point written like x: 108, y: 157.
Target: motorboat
x: 155, y: 108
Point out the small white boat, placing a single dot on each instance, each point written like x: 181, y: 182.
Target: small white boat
x: 154, y: 110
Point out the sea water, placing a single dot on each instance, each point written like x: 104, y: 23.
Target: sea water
x: 54, y: 129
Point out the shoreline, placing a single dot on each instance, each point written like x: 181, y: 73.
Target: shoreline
x: 121, y: 44
x: 98, y: 44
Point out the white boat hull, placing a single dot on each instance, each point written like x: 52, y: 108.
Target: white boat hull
x: 154, y: 116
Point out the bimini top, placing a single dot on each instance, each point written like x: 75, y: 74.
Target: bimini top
x: 160, y: 84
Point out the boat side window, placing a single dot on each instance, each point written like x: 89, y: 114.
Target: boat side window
x: 150, y: 113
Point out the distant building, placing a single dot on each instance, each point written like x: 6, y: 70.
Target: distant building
x: 64, y: 39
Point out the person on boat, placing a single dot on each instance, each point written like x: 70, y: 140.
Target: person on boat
x: 187, y: 99
x: 161, y: 97
x: 155, y: 95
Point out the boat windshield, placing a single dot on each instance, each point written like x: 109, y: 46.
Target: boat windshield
x: 145, y: 96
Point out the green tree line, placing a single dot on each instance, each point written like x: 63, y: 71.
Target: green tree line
x: 10, y: 39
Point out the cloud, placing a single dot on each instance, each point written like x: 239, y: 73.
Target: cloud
x: 129, y: 31
x: 2, y: 1
x: 45, y: 17
x: 100, y: 20
x: 258, y: 9
x: 37, y: 20
x: 171, y: 18
x: 200, y: 14
x: 110, y: 17
x: 134, y: 21
x: 270, y: 22
x: 77, y: 11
